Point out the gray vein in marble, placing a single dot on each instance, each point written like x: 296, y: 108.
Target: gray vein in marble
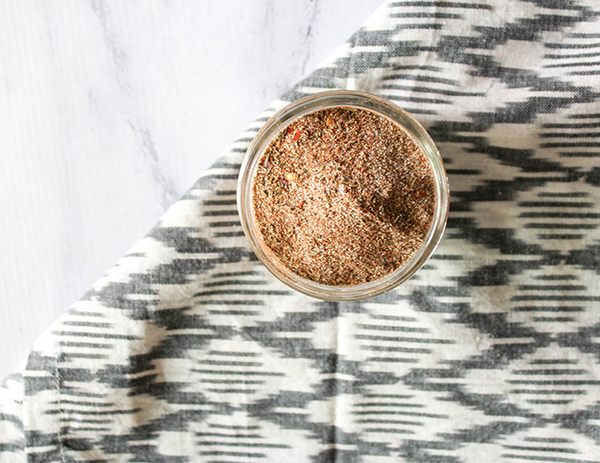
x: 168, y: 193
x: 309, y: 36
x: 49, y: 26
x: 109, y: 35
x: 267, y: 23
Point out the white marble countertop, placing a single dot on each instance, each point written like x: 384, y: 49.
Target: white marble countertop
x: 110, y: 111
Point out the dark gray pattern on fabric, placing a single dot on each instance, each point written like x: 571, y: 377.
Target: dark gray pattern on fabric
x: 189, y: 350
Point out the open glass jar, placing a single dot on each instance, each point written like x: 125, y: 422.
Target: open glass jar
x: 345, y: 99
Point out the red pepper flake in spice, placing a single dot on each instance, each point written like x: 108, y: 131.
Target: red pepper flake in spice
x: 350, y: 203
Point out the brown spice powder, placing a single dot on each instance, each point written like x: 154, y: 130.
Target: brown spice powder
x: 343, y: 196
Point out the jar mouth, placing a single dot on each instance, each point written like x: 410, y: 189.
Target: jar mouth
x: 310, y: 104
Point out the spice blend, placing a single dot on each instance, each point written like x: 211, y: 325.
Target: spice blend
x: 343, y: 196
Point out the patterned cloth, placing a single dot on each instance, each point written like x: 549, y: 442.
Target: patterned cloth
x: 189, y: 350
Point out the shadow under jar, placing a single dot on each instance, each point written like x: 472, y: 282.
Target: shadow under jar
x: 343, y: 195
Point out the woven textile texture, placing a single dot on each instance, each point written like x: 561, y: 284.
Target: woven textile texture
x: 189, y: 350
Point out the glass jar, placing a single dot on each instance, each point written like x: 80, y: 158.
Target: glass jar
x: 316, y: 102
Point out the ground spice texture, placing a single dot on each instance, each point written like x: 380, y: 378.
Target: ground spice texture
x: 343, y: 196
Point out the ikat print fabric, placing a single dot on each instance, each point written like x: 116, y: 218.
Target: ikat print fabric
x: 189, y: 350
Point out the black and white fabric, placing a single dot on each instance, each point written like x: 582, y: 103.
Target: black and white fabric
x: 189, y: 350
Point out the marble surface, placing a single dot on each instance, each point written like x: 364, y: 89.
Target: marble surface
x: 110, y: 110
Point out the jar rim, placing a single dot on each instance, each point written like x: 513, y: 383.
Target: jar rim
x: 317, y: 102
